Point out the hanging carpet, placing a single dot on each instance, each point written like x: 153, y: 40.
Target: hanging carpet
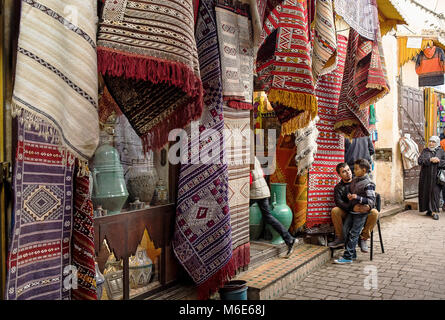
x: 364, y: 83
x: 286, y: 172
x: 147, y: 55
x: 56, y: 72
x: 39, y: 256
x: 259, y: 10
x: 284, y: 64
x: 237, y: 130
x: 236, y: 47
x: 202, y: 239
x: 325, y: 43
x: 330, y: 152
x: 83, y: 240
x: 360, y: 15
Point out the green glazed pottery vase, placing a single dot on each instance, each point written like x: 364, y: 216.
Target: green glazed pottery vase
x: 280, y: 210
x: 255, y: 221
x: 109, y: 188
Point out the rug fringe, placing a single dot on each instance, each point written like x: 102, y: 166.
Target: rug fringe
x: 300, y: 121
x: 119, y: 64
x: 240, y: 258
x: 295, y: 100
x: 240, y: 105
x: 379, y: 96
x: 51, y: 134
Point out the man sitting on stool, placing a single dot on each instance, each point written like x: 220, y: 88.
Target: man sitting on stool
x: 343, y: 206
x: 260, y: 193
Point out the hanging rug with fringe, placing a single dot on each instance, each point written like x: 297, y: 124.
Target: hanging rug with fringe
x: 202, y: 239
x: 284, y: 64
x: 56, y: 74
x: 236, y: 47
x: 148, y: 57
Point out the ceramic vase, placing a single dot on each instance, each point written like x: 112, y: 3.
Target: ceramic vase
x: 100, y: 279
x: 280, y: 210
x: 141, y: 181
x: 109, y: 188
x: 140, y: 268
x: 256, y: 223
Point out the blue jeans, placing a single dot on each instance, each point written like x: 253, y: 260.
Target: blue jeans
x: 352, y: 226
x: 266, y: 210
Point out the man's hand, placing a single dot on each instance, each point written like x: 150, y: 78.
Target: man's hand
x: 352, y: 196
x: 435, y: 160
x: 362, y: 208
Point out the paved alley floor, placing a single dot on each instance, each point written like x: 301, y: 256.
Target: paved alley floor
x: 412, y: 267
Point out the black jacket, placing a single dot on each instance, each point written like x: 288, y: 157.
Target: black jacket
x: 341, y: 191
x: 359, y: 148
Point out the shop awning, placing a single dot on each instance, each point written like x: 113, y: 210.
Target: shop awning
x: 389, y: 17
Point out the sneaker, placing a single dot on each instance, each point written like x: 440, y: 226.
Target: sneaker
x: 290, y: 248
x: 337, y: 243
x: 364, y: 246
x: 435, y: 216
x: 342, y: 261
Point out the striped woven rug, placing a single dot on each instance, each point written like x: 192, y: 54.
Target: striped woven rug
x: 322, y: 176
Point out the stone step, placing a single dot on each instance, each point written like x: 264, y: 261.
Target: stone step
x: 262, y: 251
x: 411, y: 204
x: 273, y: 279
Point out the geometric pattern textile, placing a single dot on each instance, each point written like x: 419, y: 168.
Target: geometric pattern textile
x: 284, y: 64
x: 56, y: 74
x: 202, y: 236
x: 237, y: 130
x: 83, y: 241
x: 286, y: 171
x: 39, y: 253
x: 236, y: 47
x: 325, y: 44
x: 322, y: 176
x: 358, y: 14
x: 147, y: 55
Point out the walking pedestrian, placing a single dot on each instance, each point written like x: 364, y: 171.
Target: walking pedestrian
x: 260, y: 193
x: 431, y: 159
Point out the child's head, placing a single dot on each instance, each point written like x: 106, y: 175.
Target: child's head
x: 361, y: 167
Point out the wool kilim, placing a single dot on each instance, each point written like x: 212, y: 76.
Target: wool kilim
x: 322, y: 176
x: 286, y: 172
x: 364, y: 83
x: 202, y: 239
x: 306, y: 142
x: 83, y: 240
x: 359, y: 15
x: 260, y: 9
x: 56, y: 73
x: 284, y: 63
x: 107, y: 106
x: 325, y: 43
x: 237, y: 138
x: 236, y: 47
x: 147, y: 54
x: 39, y: 253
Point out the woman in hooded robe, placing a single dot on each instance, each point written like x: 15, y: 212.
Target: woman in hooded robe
x: 431, y: 159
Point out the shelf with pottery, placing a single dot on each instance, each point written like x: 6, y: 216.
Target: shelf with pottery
x: 123, y: 233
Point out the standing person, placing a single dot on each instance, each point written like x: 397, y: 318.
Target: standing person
x: 362, y: 192
x: 359, y: 148
x: 431, y: 159
x: 260, y: 193
x: 342, y: 208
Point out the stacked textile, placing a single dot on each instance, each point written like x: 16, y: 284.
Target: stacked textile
x: 364, y: 80
x: 56, y: 73
x: 203, y: 236
x: 39, y: 259
x: 236, y: 47
x: 331, y: 150
x: 284, y: 65
x: 410, y: 152
x: 147, y: 55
